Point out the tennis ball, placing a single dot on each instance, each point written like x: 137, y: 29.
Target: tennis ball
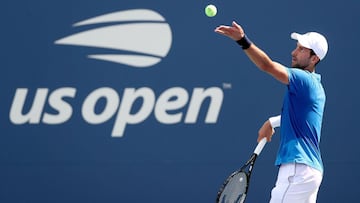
x: 210, y: 10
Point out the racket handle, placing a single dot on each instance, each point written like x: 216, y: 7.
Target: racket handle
x: 260, y: 146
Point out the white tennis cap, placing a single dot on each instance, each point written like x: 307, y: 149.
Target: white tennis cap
x: 314, y: 41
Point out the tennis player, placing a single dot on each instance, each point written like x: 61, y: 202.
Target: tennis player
x: 298, y: 158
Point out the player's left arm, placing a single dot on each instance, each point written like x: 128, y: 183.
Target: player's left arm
x: 256, y: 55
x: 264, y: 63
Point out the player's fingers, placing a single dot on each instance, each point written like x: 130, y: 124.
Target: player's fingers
x: 225, y: 32
x: 222, y: 29
x: 219, y: 29
x: 260, y: 137
x: 238, y: 29
x: 222, y: 32
x: 237, y: 26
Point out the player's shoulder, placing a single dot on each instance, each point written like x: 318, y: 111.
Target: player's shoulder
x: 299, y: 74
x: 298, y: 71
x: 303, y: 78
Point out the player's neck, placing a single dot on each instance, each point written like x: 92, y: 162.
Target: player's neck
x: 307, y: 68
x: 310, y: 69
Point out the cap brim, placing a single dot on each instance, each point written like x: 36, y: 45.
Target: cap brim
x: 294, y: 35
x: 301, y: 39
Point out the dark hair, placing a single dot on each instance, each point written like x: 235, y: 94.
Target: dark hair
x: 312, y: 53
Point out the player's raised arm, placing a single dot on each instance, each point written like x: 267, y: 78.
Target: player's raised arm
x: 256, y: 55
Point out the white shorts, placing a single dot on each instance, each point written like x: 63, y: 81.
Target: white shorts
x: 296, y: 183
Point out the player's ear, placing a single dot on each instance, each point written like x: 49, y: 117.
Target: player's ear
x: 314, y: 59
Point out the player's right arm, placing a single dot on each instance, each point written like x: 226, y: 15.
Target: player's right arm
x: 267, y: 129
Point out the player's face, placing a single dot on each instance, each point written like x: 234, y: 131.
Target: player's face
x: 301, y: 57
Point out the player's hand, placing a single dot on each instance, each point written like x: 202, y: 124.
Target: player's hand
x: 266, y: 131
x: 234, y: 31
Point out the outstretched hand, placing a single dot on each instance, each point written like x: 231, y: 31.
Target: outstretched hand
x: 234, y: 31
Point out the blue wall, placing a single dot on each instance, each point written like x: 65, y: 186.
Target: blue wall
x: 79, y: 161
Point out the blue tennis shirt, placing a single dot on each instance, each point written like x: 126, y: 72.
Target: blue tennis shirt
x: 301, y: 120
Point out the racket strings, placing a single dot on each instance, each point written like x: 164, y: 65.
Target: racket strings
x: 234, y: 189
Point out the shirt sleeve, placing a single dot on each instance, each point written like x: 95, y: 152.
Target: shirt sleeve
x: 298, y: 81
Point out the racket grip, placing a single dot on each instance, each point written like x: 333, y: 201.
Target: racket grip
x: 260, y: 146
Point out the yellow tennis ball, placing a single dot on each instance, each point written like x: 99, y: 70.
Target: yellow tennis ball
x: 210, y: 10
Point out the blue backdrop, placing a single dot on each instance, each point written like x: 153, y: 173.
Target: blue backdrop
x: 62, y: 147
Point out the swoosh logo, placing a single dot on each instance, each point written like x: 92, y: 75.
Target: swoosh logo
x: 143, y: 37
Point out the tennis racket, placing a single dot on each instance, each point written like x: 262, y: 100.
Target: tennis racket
x: 235, y: 187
